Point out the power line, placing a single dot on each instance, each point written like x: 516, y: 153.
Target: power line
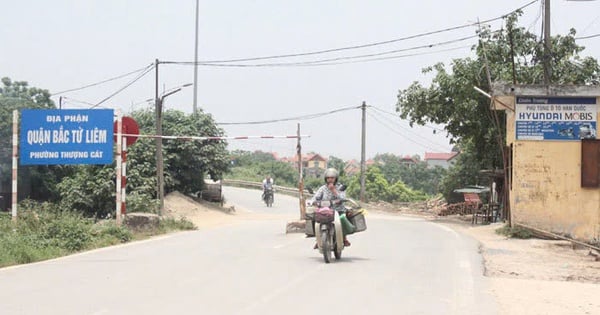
x: 101, y: 82
x: 337, y: 58
x: 394, y: 123
x: 317, y: 63
x: 399, y: 133
x: 148, y: 69
x: 395, y: 115
x: 72, y: 100
x: 328, y: 62
x: 305, y: 117
x: 385, y: 58
x: 355, y: 46
x: 587, y: 37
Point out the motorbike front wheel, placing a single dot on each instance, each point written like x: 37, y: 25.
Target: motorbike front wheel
x: 269, y: 200
x: 326, y: 245
x: 337, y: 250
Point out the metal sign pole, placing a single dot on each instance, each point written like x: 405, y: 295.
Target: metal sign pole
x: 15, y: 166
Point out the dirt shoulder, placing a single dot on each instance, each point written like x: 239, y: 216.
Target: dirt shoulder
x: 529, y: 276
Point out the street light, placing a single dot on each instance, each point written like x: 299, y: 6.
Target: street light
x: 159, y: 154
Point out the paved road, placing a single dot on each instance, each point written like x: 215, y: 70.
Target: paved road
x: 398, y: 266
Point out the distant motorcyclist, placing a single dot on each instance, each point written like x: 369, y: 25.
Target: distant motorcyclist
x: 267, y: 184
x: 330, y: 191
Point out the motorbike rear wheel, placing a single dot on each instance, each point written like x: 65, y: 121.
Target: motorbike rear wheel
x: 326, y: 245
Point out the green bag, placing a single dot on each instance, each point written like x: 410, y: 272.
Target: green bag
x: 347, y: 226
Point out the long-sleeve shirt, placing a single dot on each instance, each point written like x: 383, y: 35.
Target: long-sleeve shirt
x: 323, y: 193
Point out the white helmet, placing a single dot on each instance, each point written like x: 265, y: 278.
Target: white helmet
x: 331, y: 172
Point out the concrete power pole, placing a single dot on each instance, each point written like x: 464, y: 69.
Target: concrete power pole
x: 547, y: 44
x: 160, y: 192
x: 195, y: 107
x: 300, y: 177
x: 362, y: 152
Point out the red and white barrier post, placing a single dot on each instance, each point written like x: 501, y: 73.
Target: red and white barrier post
x: 124, y: 176
x: 118, y: 194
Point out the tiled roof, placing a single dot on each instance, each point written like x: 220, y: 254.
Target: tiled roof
x: 439, y: 156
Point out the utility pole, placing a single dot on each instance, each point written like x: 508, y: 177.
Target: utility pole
x: 547, y: 44
x: 362, y: 152
x: 195, y: 108
x: 300, y: 177
x: 160, y: 192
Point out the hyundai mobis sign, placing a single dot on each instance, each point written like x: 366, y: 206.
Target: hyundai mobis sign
x: 555, y: 118
x: 66, y: 136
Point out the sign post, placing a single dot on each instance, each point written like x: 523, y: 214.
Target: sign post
x: 126, y: 130
x: 15, y: 165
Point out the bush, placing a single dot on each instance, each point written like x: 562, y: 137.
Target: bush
x: 141, y: 202
x: 170, y: 224
x: 70, y: 231
x: 42, y: 231
x: 115, y: 234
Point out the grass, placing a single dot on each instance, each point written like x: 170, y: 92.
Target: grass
x: 514, y: 232
x: 43, y: 232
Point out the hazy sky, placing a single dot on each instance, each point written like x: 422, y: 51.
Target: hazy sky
x: 61, y: 44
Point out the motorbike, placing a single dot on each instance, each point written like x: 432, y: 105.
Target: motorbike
x: 268, y: 197
x: 329, y: 225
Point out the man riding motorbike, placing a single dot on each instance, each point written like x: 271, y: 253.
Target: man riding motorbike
x: 267, y: 184
x: 330, y: 192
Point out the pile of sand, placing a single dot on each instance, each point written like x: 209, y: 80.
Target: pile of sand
x: 203, y: 214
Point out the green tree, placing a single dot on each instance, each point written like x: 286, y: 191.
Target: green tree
x: 186, y: 162
x: 91, y: 189
x: 420, y: 176
x: 242, y: 158
x: 417, y: 176
x: 378, y: 188
x: 390, y: 166
x: 35, y: 182
x: 452, y: 100
x: 254, y: 166
x: 338, y: 164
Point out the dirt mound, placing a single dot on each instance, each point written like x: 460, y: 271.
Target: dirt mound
x: 203, y: 214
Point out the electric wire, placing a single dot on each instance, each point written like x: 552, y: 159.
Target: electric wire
x: 355, y: 46
x: 394, y: 51
x: 72, y: 100
x: 317, y: 63
x: 328, y: 62
x: 399, y: 133
x: 395, y: 115
x: 588, y: 37
x: 148, y: 69
x: 539, y: 15
x: 340, y: 58
x: 395, y: 123
x: 103, y: 81
x: 304, y: 117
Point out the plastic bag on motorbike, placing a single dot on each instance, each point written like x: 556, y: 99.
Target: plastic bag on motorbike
x: 324, y: 215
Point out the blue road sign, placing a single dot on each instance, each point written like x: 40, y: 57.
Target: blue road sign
x: 556, y: 118
x: 67, y: 136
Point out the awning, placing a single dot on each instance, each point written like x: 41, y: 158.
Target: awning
x: 474, y: 189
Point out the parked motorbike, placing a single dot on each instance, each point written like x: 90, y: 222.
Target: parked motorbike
x: 268, y: 197
x: 329, y: 225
